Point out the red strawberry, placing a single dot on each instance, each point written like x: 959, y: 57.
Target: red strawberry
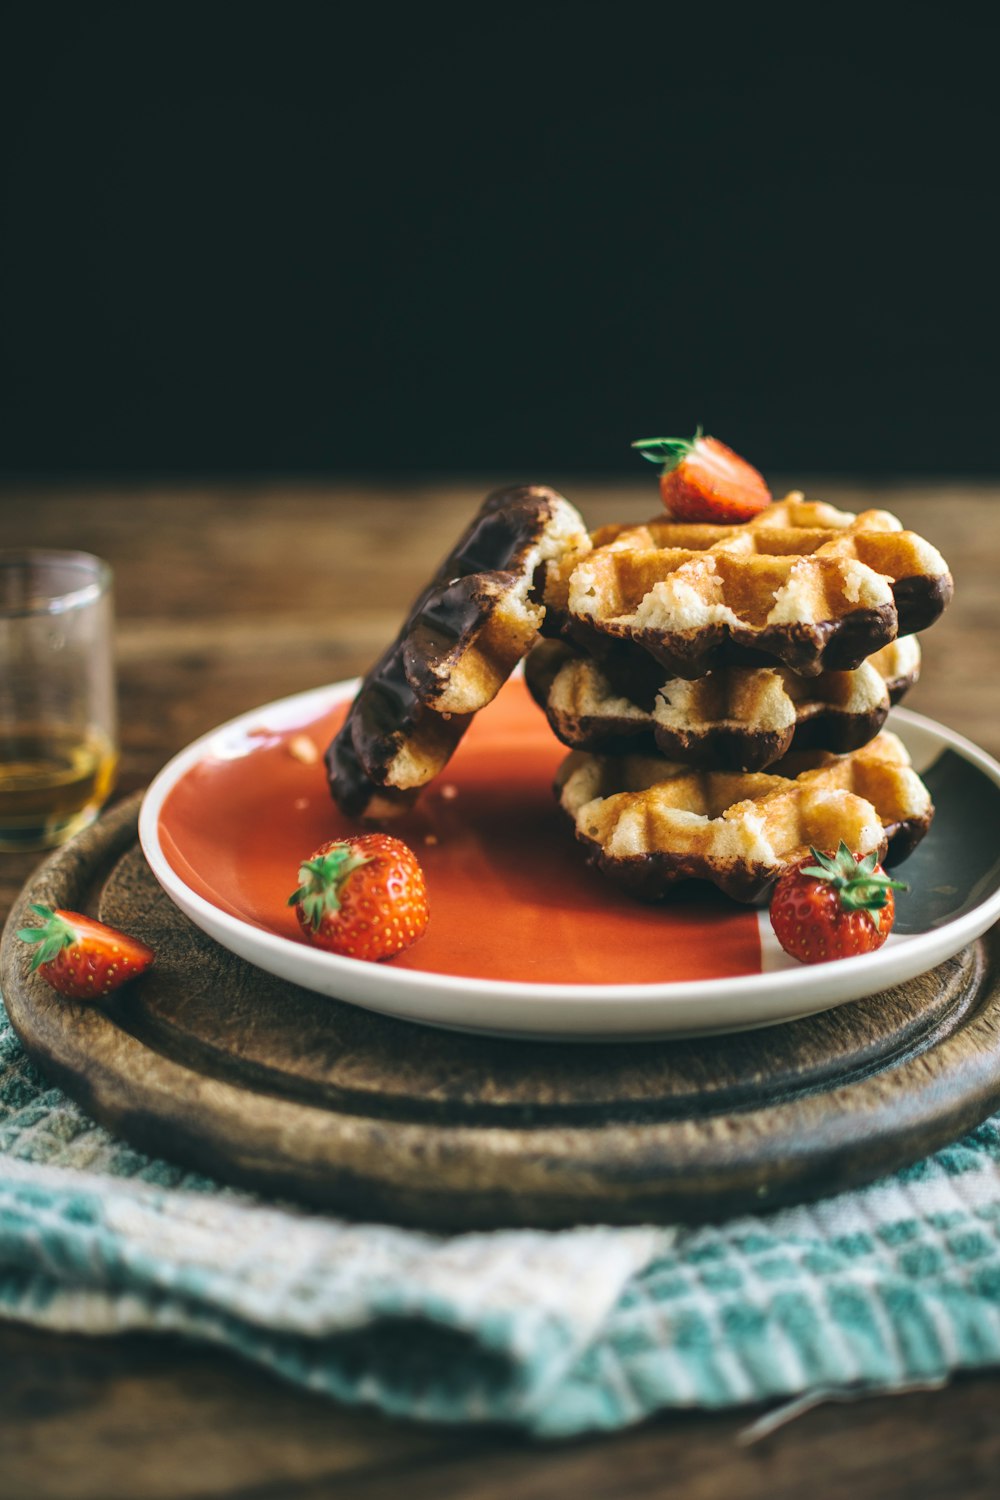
x: 364, y: 897
x: 83, y: 958
x: 703, y: 480
x: 838, y: 907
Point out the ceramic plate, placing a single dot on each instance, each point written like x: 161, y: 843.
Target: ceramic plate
x: 524, y: 940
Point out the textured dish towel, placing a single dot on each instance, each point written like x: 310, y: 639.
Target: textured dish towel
x: 558, y: 1333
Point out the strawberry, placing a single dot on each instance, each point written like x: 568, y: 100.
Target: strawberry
x: 364, y: 897
x: 703, y: 480
x: 837, y: 907
x: 83, y: 958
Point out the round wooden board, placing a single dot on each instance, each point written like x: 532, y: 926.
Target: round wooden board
x: 214, y: 1064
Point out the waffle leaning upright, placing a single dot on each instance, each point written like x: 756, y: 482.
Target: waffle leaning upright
x: 461, y: 638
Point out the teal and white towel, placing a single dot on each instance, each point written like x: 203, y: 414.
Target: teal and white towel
x: 557, y: 1333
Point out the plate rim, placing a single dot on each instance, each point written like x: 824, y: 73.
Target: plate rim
x: 828, y: 985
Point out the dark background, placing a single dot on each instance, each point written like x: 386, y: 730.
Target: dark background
x: 318, y: 238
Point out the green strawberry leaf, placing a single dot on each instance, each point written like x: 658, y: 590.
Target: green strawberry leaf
x: 321, y: 882
x: 855, y: 881
x: 667, y: 452
x: 52, y: 938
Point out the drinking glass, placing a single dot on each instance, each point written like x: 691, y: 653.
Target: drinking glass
x: 58, y: 730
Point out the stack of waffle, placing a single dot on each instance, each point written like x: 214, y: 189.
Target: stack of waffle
x: 723, y: 689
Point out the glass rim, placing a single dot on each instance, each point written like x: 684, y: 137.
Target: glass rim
x: 49, y: 601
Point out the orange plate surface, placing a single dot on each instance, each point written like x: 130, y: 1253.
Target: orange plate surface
x: 511, y: 898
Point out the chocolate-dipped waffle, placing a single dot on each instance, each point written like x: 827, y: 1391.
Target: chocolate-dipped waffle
x: 649, y: 823
x: 735, y: 718
x: 461, y: 639
x: 801, y: 584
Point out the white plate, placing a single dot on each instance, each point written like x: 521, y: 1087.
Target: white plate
x: 955, y: 875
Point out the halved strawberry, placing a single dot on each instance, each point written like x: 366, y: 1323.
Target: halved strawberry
x: 82, y: 958
x: 703, y: 480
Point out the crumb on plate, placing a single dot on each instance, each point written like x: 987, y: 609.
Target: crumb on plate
x: 303, y: 749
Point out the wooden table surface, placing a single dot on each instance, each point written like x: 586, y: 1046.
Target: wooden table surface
x: 232, y: 595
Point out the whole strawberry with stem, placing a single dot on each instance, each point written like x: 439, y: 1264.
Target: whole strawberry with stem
x: 836, y: 907
x: 703, y: 480
x: 362, y: 897
x: 80, y: 957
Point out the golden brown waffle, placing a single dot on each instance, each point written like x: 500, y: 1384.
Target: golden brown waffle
x: 461, y: 639
x: 801, y: 584
x: 649, y: 823
x: 735, y: 718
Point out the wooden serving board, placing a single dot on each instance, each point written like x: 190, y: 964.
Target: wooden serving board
x: 214, y: 1064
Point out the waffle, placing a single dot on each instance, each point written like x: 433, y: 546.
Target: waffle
x: 735, y: 718
x: 460, y: 641
x: 649, y: 823
x: 802, y: 584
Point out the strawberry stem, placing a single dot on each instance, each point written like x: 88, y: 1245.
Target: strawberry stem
x: 321, y: 881
x: 855, y: 881
x: 55, y: 935
x: 668, y: 452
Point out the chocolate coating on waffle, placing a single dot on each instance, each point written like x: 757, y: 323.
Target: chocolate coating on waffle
x: 656, y: 877
x: 650, y: 824
x: 921, y: 600
x: 461, y: 638
x: 730, y: 720
x: 802, y: 584
x: 828, y: 646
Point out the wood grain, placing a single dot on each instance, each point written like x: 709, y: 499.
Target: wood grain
x: 227, y: 1070
x: 134, y: 1419
x: 229, y: 596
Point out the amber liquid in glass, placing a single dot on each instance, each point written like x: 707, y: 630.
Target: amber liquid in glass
x: 52, y: 783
